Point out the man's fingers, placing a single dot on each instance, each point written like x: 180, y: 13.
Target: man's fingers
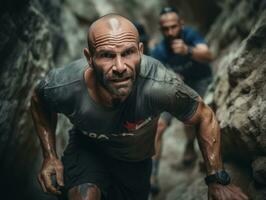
x: 239, y: 195
x: 244, y: 196
x: 177, y: 45
x: 59, y: 176
x: 178, y: 41
x: 41, y: 183
x: 48, y: 184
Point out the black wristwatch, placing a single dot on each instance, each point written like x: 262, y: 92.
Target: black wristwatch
x: 221, y: 177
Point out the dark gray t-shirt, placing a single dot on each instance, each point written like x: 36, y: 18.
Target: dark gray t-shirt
x: 127, y: 131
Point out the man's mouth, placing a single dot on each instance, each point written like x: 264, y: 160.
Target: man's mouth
x: 121, y: 80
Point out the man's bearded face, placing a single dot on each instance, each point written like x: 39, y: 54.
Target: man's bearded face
x: 116, y: 67
x: 118, y: 84
x: 170, y: 26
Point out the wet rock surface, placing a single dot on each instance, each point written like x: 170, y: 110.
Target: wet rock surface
x: 239, y: 89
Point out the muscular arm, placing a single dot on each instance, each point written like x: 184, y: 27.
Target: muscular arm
x: 45, y: 123
x: 209, y: 141
x: 208, y: 134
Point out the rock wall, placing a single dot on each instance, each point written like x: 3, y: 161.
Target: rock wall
x: 238, y: 38
x: 34, y: 38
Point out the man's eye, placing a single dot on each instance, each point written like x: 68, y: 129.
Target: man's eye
x: 128, y: 52
x: 174, y: 26
x: 106, y: 55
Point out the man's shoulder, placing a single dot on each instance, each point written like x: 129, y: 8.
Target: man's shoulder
x: 153, y: 70
x: 66, y: 74
x: 192, y: 36
x: 158, y: 83
x: 189, y: 30
x: 61, y: 86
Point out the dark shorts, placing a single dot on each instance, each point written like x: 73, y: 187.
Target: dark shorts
x: 118, y: 180
x: 200, y: 86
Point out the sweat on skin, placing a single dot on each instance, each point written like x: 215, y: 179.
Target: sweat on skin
x: 111, y: 60
x: 114, y: 39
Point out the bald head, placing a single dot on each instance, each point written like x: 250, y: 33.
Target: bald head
x: 111, y: 29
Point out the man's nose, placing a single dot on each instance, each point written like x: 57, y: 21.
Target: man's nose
x: 119, y: 65
x: 170, y: 32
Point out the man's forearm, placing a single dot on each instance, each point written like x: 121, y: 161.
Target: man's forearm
x: 210, y: 141
x: 47, y: 139
x: 201, y: 53
x: 45, y: 124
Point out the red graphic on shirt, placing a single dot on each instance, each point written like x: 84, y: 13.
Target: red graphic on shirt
x: 131, y: 126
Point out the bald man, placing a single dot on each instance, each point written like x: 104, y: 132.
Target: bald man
x: 114, y: 98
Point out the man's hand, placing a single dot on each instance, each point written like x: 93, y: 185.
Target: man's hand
x: 51, y: 167
x: 225, y: 192
x: 178, y: 46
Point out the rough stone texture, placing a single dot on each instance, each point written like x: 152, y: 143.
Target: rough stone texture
x: 26, y: 52
x: 239, y: 40
x: 33, y: 40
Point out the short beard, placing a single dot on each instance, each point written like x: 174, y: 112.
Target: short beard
x: 119, y: 94
x: 170, y: 39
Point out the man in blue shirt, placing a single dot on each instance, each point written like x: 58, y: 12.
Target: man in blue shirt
x: 183, y: 50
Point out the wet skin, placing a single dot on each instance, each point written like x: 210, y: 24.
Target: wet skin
x: 115, y: 55
x: 115, y: 60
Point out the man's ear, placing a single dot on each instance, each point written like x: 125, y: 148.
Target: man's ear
x: 87, y: 54
x: 141, y: 47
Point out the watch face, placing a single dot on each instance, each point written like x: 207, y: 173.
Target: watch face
x: 223, y: 177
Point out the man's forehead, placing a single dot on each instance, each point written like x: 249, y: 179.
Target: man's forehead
x: 113, y: 28
x: 113, y: 32
x: 116, y: 47
x: 173, y: 17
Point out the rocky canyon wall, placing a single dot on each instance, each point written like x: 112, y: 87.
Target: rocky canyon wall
x: 238, y: 38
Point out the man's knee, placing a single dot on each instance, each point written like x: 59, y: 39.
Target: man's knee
x: 86, y: 191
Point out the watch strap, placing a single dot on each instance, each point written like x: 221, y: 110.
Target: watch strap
x: 221, y: 177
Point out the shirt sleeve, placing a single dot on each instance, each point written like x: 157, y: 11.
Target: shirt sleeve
x: 45, y: 95
x: 194, y: 37
x: 40, y: 89
x: 183, y: 101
